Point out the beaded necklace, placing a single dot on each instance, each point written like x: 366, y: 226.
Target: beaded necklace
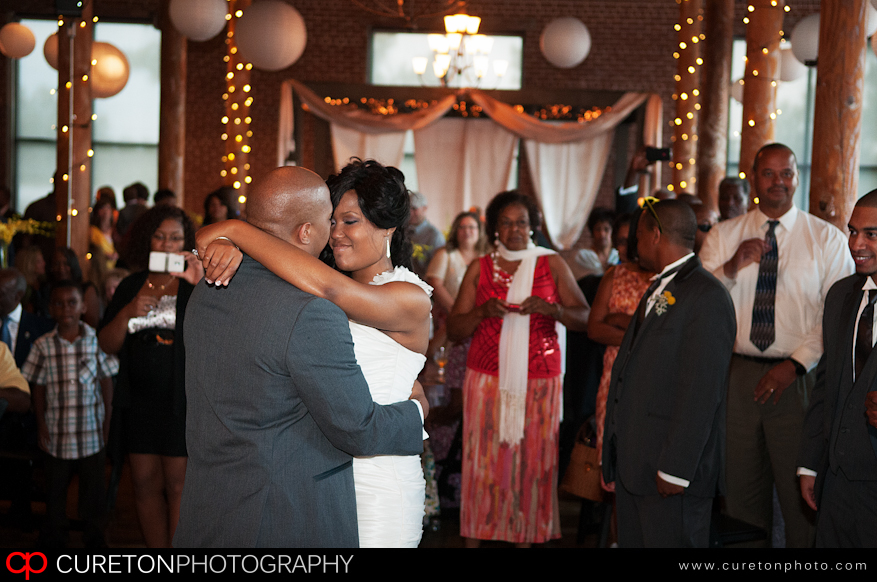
x: 499, y: 275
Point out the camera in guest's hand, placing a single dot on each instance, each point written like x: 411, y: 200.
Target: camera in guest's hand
x: 166, y: 262
x: 657, y: 154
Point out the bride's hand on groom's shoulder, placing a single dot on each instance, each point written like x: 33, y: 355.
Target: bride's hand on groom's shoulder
x: 220, y: 259
x: 418, y: 394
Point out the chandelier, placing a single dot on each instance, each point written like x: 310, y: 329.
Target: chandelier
x: 461, y: 49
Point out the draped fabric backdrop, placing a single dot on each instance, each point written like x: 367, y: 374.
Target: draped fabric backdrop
x: 465, y: 162
x: 566, y: 177
x: 387, y: 148
x: 461, y: 163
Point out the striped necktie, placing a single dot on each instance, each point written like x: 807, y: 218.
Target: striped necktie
x: 763, y: 331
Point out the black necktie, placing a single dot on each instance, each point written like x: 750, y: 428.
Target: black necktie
x: 864, y: 338
x: 763, y: 333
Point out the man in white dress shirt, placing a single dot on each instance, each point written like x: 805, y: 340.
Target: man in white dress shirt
x: 778, y: 264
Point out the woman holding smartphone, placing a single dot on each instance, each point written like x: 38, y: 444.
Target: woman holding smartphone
x: 143, y: 325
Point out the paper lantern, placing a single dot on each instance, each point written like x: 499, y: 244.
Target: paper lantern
x: 16, y: 40
x: 790, y: 67
x: 198, y: 20
x: 871, y: 19
x: 109, y: 71
x: 737, y: 90
x: 805, y: 39
x: 271, y: 35
x: 565, y: 42
x: 50, y: 50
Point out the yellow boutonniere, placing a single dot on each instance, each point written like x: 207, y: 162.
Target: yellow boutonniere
x: 663, y: 301
x: 670, y: 299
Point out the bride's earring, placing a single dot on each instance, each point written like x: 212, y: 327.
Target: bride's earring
x: 388, y: 248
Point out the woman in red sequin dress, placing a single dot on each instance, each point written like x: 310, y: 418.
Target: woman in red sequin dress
x: 511, y: 302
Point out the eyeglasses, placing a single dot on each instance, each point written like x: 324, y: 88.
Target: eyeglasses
x: 160, y: 238
x: 704, y: 227
x: 649, y: 202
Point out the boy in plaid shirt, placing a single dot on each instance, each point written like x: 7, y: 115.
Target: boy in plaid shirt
x: 72, y: 387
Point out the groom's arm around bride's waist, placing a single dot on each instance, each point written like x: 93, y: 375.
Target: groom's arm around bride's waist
x: 332, y: 387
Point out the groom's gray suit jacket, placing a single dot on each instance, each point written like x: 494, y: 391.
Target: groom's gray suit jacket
x: 276, y: 406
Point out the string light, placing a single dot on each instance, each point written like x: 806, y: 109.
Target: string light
x: 754, y: 73
x: 236, y: 119
x: 687, y: 96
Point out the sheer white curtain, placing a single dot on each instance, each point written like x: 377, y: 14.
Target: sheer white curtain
x: 387, y: 148
x: 566, y: 177
x: 461, y: 163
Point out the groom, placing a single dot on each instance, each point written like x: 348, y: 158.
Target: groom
x: 276, y: 402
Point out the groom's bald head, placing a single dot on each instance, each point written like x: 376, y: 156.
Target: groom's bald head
x: 293, y: 204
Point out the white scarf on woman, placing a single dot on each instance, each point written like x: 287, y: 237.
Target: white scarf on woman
x: 514, y: 344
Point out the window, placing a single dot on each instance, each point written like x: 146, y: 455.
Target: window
x: 794, y: 126
x: 392, y: 54
x: 124, y: 133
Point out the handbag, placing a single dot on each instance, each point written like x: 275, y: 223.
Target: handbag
x: 582, y: 477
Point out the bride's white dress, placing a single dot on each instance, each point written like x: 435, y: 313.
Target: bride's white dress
x: 390, y: 490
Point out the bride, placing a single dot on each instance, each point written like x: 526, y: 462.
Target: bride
x: 388, y: 308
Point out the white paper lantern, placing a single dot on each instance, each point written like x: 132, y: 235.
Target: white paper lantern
x: 871, y: 19
x: 16, y: 40
x: 737, y: 90
x: 109, y: 73
x: 565, y: 42
x: 50, y: 50
x: 271, y: 35
x: 790, y: 67
x: 198, y: 20
x: 805, y: 39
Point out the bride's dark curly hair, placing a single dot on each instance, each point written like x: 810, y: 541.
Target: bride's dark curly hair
x: 383, y: 199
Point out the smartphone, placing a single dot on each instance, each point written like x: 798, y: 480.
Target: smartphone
x: 166, y: 262
x: 657, y: 154
x: 513, y: 308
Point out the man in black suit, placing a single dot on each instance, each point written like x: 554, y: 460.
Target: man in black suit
x: 24, y: 327
x: 18, y: 427
x: 665, y: 420
x: 838, y: 459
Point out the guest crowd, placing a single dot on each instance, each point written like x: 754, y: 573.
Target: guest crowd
x: 732, y: 368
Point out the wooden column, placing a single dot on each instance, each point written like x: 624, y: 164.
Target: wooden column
x: 172, y: 124
x: 838, y: 110
x: 762, y: 70
x: 712, y: 142
x: 687, y: 96
x: 73, y: 183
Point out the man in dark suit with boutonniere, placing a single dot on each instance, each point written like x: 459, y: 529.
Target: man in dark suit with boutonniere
x: 837, y: 466
x: 665, y: 420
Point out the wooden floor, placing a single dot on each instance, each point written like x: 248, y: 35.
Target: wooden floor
x: 123, y: 530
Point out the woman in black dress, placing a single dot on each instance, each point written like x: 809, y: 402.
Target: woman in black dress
x: 143, y: 325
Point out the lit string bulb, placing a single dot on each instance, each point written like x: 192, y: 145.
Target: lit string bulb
x: 238, y: 99
x: 690, y: 38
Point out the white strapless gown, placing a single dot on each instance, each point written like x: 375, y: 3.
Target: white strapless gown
x: 390, y: 490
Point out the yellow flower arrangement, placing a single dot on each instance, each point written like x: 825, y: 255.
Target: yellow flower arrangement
x: 16, y: 225
x: 24, y: 225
